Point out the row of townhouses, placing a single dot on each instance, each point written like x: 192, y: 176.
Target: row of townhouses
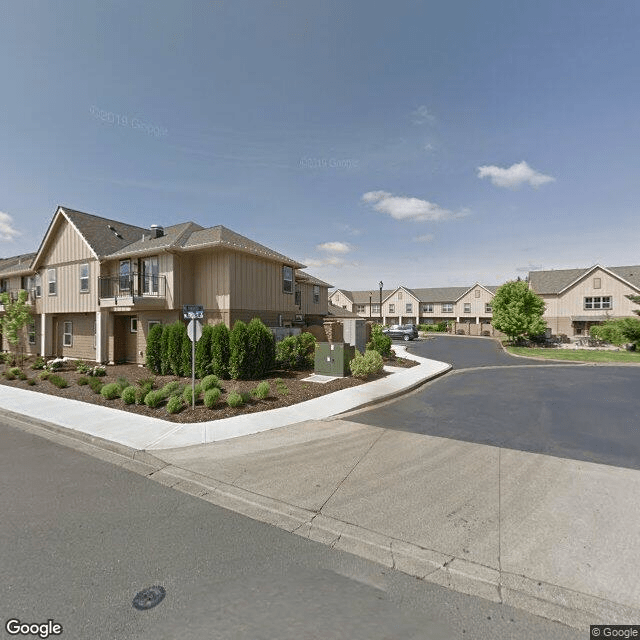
x: 96, y: 286
x: 575, y: 299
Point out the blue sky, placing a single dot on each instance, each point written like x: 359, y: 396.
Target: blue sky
x: 418, y: 143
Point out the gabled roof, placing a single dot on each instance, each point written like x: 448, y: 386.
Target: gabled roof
x: 440, y: 294
x: 16, y: 264
x: 345, y: 292
x: 309, y: 279
x: 338, y: 312
x: 558, y: 280
x: 490, y: 290
x: 220, y: 236
x: 173, y: 236
x: 362, y: 297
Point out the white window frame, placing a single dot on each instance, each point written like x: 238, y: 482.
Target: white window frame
x: 84, y: 289
x: 67, y: 334
x: 447, y: 307
x: 287, y: 279
x: 597, y: 283
x: 360, y: 308
x: 477, y: 292
x: 38, y: 285
x: 392, y: 308
x: 52, y: 281
x: 375, y: 308
x: 427, y: 308
x: 467, y: 307
x: 408, y: 308
x: 316, y: 294
x: 133, y: 326
x: 598, y: 302
x: 31, y: 331
x: 124, y: 279
x: 488, y: 308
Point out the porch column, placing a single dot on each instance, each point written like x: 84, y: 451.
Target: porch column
x: 100, y: 337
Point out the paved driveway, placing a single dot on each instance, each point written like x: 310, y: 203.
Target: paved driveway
x: 573, y: 411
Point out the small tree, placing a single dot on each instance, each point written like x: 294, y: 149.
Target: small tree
x: 17, y: 314
x: 177, y: 332
x: 220, y: 350
x: 154, y: 348
x: 203, y: 352
x: 262, y: 349
x: 517, y: 310
x: 239, y: 360
x: 618, y: 331
x: 379, y: 341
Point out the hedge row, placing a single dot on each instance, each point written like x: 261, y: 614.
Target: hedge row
x: 247, y: 352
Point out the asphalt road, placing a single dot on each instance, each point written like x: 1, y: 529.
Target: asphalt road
x: 80, y: 537
x: 582, y: 412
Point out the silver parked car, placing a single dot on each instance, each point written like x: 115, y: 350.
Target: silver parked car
x: 402, y: 331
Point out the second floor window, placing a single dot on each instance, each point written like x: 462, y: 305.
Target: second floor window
x: 409, y: 307
x: 298, y: 298
x: 467, y: 307
x: 51, y: 279
x: 359, y: 308
x: 38, y: 285
x: 392, y: 308
x: 84, y: 278
x: 375, y: 308
x: 150, y: 275
x: 447, y: 307
x: 287, y: 279
x: 488, y: 308
x: 597, y: 302
x: 427, y: 308
x: 316, y: 293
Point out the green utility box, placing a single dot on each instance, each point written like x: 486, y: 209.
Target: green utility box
x: 333, y: 358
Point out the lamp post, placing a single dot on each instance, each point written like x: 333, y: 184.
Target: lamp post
x: 380, y: 285
x: 370, y: 297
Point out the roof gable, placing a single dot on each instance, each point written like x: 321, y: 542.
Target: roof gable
x: 559, y: 280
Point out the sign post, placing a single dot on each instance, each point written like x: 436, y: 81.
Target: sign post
x: 194, y: 313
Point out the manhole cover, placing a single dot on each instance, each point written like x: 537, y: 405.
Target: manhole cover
x: 149, y: 598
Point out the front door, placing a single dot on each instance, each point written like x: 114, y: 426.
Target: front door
x: 120, y: 339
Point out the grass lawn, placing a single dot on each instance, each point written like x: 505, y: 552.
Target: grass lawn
x: 584, y: 355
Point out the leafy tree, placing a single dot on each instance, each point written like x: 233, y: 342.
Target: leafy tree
x: 618, y: 331
x: 517, y: 310
x: 379, y: 341
x: 17, y: 314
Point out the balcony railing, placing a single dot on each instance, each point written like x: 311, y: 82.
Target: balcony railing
x: 14, y: 293
x: 132, y: 286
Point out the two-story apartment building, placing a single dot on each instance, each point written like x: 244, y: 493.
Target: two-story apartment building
x: 97, y: 285
x: 420, y: 306
x: 576, y: 299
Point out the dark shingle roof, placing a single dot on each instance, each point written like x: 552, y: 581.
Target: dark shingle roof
x: 554, y: 281
x: 338, y: 312
x: 174, y: 236
x: 308, y: 278
x: 16, y: 264
x: 440, y: 294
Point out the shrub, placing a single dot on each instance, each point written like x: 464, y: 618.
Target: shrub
x: 169, y: 389
x: 55, y: 365
x: 262, y: 349
x: 380, y: 343
x: 15, y: 371
x: 296, y: 352
x: 44, y: 375
x: 187, y: 394
x: 220, y: 350
x: 174, y: 405
x: 110, y: 391
x: 153, y: 359
x: 95, y: 384
x: 210, y: 382
x: 164, y: 351
x: 83, y: 381
x: 363, y: 366
x: 122, y: 383
x: 203, y: 352
x: 22, y: 375
x: 177, y: 333
x: 31, y: 381
x: 262, y: 391
x: 154, y: 398
x: 128, y: 394
x: 185, y: 356
x: 211, y: 397
x: 282, y: 388
x: 9, y: 376
x: 98, y: 371
x: 38, y: 363
x: 234, y: 399
x: 239, y: 356
x: 82, y: 367
x: 59, y: 381
x: 144, y: 382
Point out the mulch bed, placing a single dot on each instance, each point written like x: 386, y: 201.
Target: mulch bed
x: 297, y: 390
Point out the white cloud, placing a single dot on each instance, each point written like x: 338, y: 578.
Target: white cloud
x: 422, y: 115
x: 7, y: 230
x: 334, y: 247
x: 345, y: 228
x: 427, y: 237
x: 405, y: 208
x: 515, y: 176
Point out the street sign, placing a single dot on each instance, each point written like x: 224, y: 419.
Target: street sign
x: 194, y: 330
x: 191, y: 311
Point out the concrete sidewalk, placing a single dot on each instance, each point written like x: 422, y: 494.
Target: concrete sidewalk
x: 146, y: 433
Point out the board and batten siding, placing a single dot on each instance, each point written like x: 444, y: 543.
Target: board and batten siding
x: 399, y: 299
x: 477, y: 304
x: 309, y: 307
x: 206, y: 280
x: 66, y: 245
x: 68, y: 297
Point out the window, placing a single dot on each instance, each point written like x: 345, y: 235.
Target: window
x: 359, y: 308
x: 67, y: 336
x: 287, y: 279
x: 316, y: 293
x: 597, y: 283
x: 399, y: 295
x: 298, y: 296
x: 375, y: 308
x: 392, y: 308
x: 467, y: 307
x: 598, y: 302
x: 134, y: 324
x: 408, y: 307
x: 488, y: 308
x: 51, y: 279
x: 447, y: 307
x: 477, y: 293
x: 125, y: 275
x: 84, y: 278
x: 38, y: 285
x: 31, y: 328
x: 427, y: 308
x: 150, y: 275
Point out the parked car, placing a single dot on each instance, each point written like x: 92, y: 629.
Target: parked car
x: 403, y: 331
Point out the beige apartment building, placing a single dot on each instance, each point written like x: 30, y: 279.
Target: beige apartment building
x: 96, y: 286
x: 576, y: 299
x: 469, y: 305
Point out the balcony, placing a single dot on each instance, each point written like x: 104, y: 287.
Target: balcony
x: 134, y: 290
x: 13, y: 296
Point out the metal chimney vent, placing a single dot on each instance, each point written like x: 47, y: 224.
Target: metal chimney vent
x: 157, y: 231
